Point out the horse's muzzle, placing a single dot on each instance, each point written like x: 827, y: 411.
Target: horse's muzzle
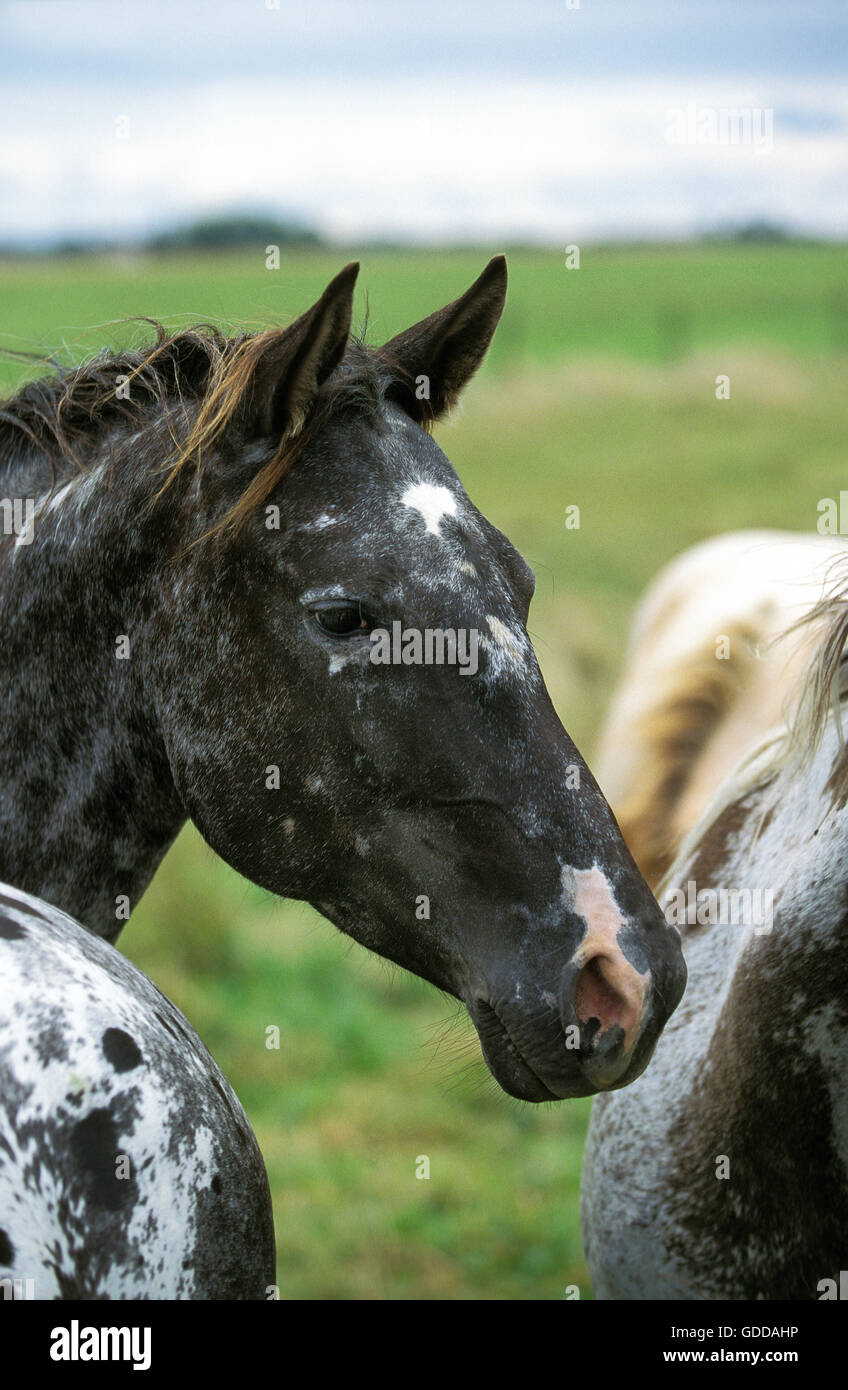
x: 617, y: 1010
x: 596, y: 1034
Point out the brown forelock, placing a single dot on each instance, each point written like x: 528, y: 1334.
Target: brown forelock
x: 203, y: 373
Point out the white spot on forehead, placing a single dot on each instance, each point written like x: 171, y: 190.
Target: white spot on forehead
x: 468, y: 568
x: 432, y: 501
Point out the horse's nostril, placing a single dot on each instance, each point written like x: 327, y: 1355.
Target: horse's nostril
x: 597, y: 997
x: 612, y: 992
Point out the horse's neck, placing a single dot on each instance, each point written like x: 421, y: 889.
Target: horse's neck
x: 87, y: 803
x: 768, y: 996
x: 744, y: 1110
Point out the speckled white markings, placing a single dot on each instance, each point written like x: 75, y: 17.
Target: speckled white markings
x: 507, y: 640
x: 72, y: 496
x: 338, y: 660
x: 432, y: 501
x: 320, y: 523
x: 508, y: 649
x: 98, y: 1067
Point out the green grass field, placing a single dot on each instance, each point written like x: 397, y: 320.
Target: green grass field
x: 600, y: 392
x: 652, y: 304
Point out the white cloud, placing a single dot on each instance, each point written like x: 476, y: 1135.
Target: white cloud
x: 433, y: 156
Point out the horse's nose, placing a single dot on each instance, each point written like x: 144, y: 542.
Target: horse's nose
x: 607, y: 999
x: 608, y: 990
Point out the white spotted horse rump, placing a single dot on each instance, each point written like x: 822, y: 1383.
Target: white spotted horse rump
x: 128, y: 1169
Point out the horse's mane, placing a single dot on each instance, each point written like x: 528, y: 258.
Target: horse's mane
x: 820, y: 695
x: 197, y: 380
x: 824, y: 690
x: 771, y: 765
x: 671, y: 735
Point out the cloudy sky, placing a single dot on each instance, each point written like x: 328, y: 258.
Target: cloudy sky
x: 547, y: 120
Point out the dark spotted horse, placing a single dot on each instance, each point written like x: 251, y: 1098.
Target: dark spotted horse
x: 187, y: 633
x: 723, y: 1172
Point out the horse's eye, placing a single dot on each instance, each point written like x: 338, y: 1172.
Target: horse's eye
x: 342, y: 620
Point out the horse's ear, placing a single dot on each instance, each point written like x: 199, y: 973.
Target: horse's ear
x: 441, y: 353
x: 294, y: 362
